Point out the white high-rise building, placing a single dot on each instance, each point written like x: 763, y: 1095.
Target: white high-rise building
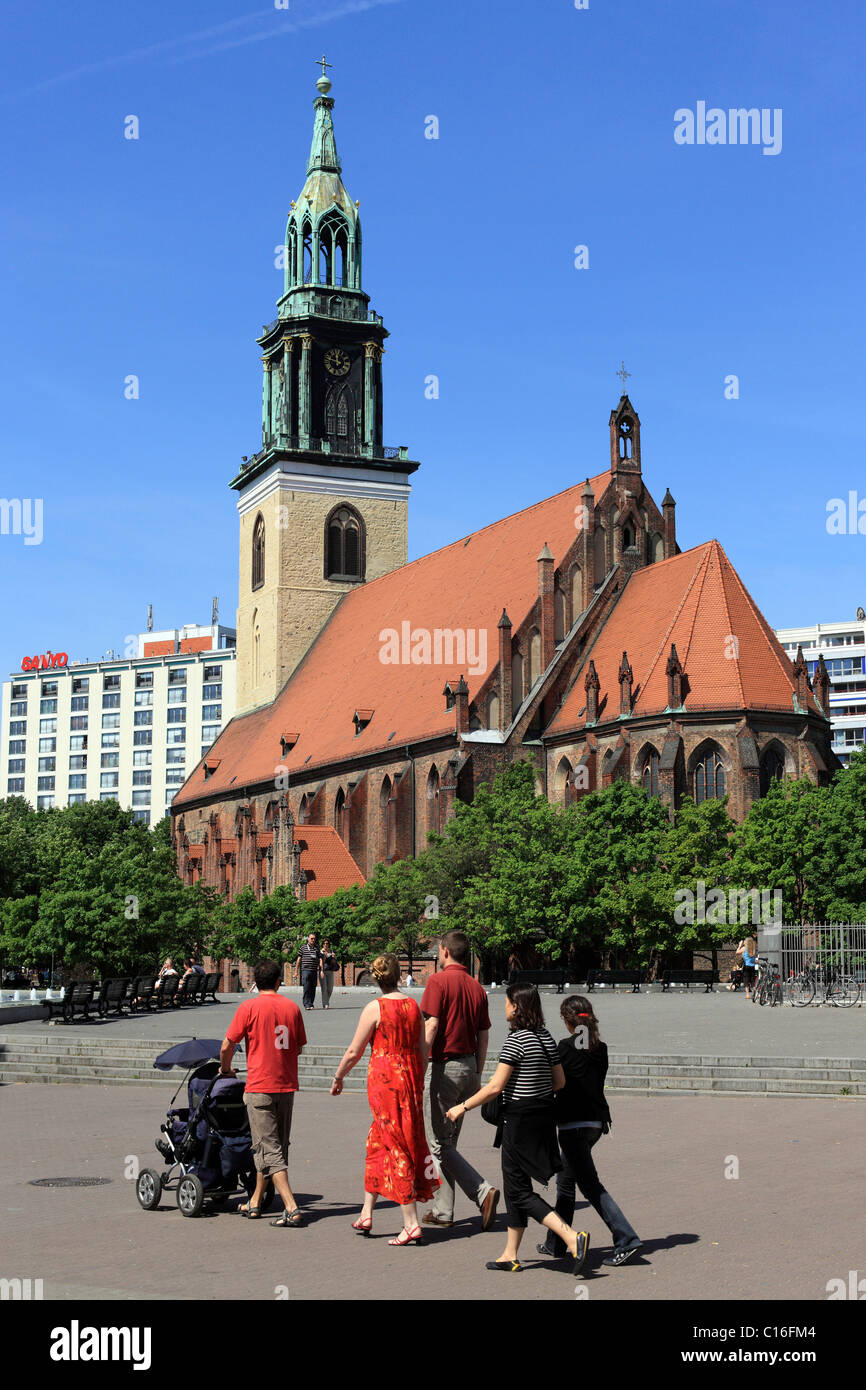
x: 127, y: 729
x: 844, y: 649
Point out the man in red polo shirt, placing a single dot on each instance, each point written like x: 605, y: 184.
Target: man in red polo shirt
x: 455, y: 1007
x: 275, y: 1036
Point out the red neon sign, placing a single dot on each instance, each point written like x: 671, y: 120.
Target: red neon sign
x: 47, y: 662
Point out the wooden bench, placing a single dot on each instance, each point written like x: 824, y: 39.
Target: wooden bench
x: 190, y: 990
x: 164, y: 996
x: 77, y: 996
x: 613, y: 977
x: 212, y: 984
x: 142, y: 993
x: 688, y: 977
x: 112, y: 996
x: 539, y: 977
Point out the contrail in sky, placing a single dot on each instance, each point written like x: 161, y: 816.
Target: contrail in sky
x: 188, y: 47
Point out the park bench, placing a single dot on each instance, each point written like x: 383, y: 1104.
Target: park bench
x: 77, y: 996
x: 688, y: 977
x: 211, y: 985
x: 112, y: 996
x: 539, y: 977
x: 167, y: 990
x: 190, y: 990
x: 142, y: 993
x: 613, y: 977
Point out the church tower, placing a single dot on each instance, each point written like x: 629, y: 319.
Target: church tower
x: 324, y: 504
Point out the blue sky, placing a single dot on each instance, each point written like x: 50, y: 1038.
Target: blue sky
x: 155, y: 257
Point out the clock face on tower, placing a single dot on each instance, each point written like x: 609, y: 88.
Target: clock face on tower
x: 337, y: 362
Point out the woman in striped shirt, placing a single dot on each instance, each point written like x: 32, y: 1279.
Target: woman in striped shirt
x: 526, y: 1078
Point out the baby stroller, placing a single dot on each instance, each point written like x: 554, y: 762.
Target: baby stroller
x: 207, y: 1143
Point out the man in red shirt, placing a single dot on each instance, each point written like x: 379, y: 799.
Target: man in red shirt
x: 275, y: 1037
x: 455, y: 1007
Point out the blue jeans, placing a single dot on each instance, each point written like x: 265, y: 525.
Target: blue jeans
x: 579, y: 1170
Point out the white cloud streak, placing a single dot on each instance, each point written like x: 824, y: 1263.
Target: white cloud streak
x: 270, y: 24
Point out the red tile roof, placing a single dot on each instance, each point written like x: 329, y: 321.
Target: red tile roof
x: 698, y: 602
x: 461, y: 587
x: 327, y: 862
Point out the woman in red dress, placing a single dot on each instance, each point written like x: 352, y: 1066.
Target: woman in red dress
x: 399, y: 1166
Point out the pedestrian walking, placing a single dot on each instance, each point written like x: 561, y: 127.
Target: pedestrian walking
x: 327, y: 973
x: 309, y: 961
x: 457, y: 1028
x: 528, y: 1074
x: 582, y: 1116
x: 274, y: 1031
x: 398, y: 1164
x: 748, y: 949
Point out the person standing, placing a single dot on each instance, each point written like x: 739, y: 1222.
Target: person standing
x: 309, y: 961
x: 748, y: 949
x: 274, y: 1031
x: 329, y: 967
x: 457, y: 1027
x: 398, y: 1166
x: 582, y: 1116
x: 528, y: 1074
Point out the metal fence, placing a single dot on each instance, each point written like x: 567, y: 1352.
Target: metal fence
x: 822, y: 953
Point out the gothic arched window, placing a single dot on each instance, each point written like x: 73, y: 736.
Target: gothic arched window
x: 259, y: 552
x: 516, y: 682
x: 434, y: 805
x: 772, y: 768
x: 625, y: 435
x: 387, y: 821
x: 340, y: 814
x: 651, y: 774
x: 709, y: 775
x: 344, y: 544
x: 600, y: 556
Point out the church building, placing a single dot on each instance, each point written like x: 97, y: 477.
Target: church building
x: 372, y: 693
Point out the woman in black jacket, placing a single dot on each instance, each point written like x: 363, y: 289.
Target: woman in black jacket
x: 582, y: 1116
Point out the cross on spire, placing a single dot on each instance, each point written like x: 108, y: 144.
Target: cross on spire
x: 623, y: 374
x: 324, y: 64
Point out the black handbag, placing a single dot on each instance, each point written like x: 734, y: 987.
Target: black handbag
x: 491, y: 1110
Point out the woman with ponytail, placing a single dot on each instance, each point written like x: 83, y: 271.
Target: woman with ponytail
x: 582, y: 1116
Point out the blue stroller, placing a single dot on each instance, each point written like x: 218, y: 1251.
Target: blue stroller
x: 207, y: 1143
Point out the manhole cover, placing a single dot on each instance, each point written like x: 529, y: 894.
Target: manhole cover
x: 68, y: 1182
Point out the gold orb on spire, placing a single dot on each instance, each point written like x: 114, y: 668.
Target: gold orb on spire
x: 324, y: 83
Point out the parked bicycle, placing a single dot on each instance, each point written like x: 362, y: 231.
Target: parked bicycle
x: 828, y: 983
x: 768, y: 985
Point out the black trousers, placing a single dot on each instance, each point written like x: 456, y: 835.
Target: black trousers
x: 579, y: 1170
x: 308, y: 980
x: 521, y: 1199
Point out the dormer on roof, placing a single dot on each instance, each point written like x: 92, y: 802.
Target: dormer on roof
x: 361, y: 719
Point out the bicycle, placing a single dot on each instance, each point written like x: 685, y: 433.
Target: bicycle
x: 768, y: 985
x: 836, y: 986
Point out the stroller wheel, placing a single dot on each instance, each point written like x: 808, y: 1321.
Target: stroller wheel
x: 190, y: 1195
x: 148, y: 1188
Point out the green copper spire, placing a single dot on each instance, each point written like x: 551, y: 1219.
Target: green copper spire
x: 323, y: 233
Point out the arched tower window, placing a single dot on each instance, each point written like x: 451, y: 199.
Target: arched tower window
x: 291, y: 255
x: 434, y: 805
x: 709, y: 775
x: 258, y: 576
x: 562, y: 782
x: 344, y: 544
x: 308, y: 253
x: 625, y: 437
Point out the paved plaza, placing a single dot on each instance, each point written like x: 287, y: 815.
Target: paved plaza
x: 683, y: 1022
x: 792, y: 1220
